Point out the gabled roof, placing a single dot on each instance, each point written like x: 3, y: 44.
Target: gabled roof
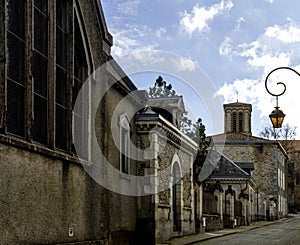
x: 226, y: 168
x: 243, y: 139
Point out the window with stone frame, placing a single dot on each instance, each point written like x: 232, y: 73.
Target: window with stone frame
x: 124, y: 145
x: 40, y: 71
x: 15, y: 83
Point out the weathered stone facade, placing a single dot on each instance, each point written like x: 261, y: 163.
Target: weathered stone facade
x: 227, y: 195
x: 171, y: 209
x: 270, y: 168
x: 55, y: 187
x: 293, y: 149
x: 46, y: 195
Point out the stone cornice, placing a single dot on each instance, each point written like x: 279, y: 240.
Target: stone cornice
x: 146, y: 122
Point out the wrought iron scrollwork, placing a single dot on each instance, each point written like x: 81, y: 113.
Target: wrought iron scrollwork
x: 279, y: 83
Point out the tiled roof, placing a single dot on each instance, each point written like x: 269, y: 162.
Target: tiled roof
x: 226, y: 168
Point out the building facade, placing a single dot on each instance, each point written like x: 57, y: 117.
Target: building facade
x: 269, y: 158
x: 228, y: 194
x: 170, y: 211
x: 293, y: 149
x: 54, y: 121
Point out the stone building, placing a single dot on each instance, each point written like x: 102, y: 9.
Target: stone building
x: 268, y: 156
x: 228, y: 194
x: 66, y: 108
x: 170, y: 211
x: 293, y: 150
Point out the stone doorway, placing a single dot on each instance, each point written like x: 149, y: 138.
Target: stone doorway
x: 177, y: 197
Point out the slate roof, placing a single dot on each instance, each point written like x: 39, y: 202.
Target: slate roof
x: 226, y: 168
x: 246, y: 166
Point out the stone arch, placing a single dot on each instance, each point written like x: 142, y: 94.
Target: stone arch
x: 86, y: 44
x: 176, y: 193
x: 83, y: 68
x: 229, y: 206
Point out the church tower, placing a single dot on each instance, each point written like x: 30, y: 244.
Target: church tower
x: 238, y: 118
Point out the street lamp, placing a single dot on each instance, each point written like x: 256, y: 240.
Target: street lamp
x: 277, y: 115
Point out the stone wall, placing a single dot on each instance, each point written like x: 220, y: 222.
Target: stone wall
x: 170, y: 210
x: 296, y: 160
x: 213, y: 222
x: 267, y: 160
x: 46, y: 195
x: 43, y: 199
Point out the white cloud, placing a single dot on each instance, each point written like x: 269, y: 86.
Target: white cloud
x: 226, y: 48
x: 254, y: 92
x: 269, y: 50
x: 184, y: 64
x: 245, y: 88
x: 268, y: 61
x: 238, y: 24
x: 160, y: 32
x: 129, y: 41
x: 198, y: 19
x: 289, y: 33
x: 129, y: 7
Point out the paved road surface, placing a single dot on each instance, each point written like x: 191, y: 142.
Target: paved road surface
x: 285, y: 233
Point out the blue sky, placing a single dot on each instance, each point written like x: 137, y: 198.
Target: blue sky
x: 236, y: 43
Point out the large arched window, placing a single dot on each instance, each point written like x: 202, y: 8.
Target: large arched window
x: 47, y: 64
x: 176, y: 196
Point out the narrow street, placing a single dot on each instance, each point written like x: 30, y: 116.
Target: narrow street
x: 285, y: 232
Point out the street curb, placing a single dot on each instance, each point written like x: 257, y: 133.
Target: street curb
x: 247, y: 228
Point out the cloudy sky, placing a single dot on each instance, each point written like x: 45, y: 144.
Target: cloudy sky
x: 236, y: 43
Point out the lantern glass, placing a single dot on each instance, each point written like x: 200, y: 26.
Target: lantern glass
x: 277, y: 117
